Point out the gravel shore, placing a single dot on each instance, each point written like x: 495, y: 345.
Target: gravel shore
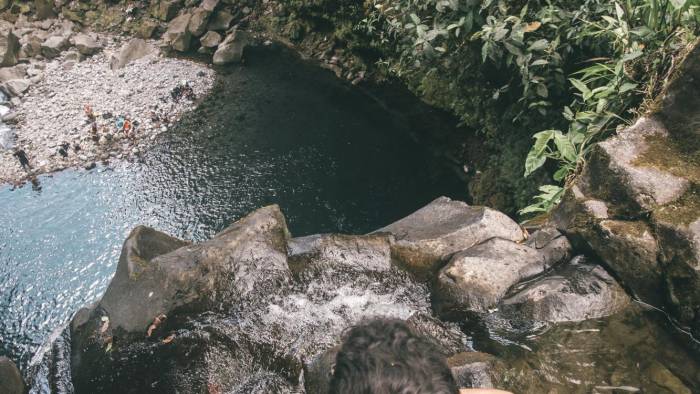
x: 52, y: 114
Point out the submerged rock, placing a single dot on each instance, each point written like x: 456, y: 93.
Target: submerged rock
x: 574, y: 291
x: 356, y: 252
x: 429, y: 236
x: 476, y: 279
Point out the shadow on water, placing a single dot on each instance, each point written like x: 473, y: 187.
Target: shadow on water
x: 277, y: 130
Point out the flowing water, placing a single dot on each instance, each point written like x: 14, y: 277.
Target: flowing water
x: 275, y: 131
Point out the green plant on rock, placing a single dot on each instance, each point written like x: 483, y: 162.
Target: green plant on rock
x: 641, y: 35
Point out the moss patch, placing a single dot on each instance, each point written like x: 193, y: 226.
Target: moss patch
x: 671, y: 155
x: 684, y: 211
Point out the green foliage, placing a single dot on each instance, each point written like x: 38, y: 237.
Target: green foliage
x: 595, y: 59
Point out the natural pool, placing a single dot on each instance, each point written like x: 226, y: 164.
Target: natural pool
x: 275, y: 131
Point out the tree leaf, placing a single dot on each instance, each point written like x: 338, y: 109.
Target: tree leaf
x: 539, y: 62
x: 542, y: 90
x: 533, y: 162
x: 565, y: 147
x: 539, y: 45
x: 580, y: 86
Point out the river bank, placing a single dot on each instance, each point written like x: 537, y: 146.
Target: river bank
x: 88, y: 105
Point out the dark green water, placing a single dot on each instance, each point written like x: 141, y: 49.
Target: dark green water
x: 275, y: 131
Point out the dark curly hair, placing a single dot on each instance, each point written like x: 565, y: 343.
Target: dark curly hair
x: 386, y: 357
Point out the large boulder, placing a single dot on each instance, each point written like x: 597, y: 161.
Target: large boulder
x: 476, y: 279
x: 10, y: 379
x: 178, y: 36
x: 17, y: 87
x: 9, y: 48
x: 429, y: 236
x: 250, y: 253
x: 574, y: 291
x: 135, y: 49
x: 231, y: 49
x: 85, y: 44
x: 209, y: 5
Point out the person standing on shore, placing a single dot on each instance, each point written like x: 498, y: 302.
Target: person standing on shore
x: 23, y: 159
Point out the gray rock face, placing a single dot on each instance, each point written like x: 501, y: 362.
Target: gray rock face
x: 432, y: 234
x: 198, y: 22
x: 210, y: 40
x: 250, y: 253
x: 231, y: 49
x: 178, y: 35
x: 9, y: 48
x: 574, y: 291
x: 166, y: 10
x: 10, y: 379
x: 615, y: 173
x: 476, y: 279
x: 53, y: 46
x: 85, y: 44
x: 220, y: 20
x: 135, y: 49
x: 356, y: 252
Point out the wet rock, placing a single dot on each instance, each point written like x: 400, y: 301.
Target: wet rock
x: 10, y: 379
x: 53, y: 46
x: 231, y: 49
x: 476, y: 279
x: 135, y: 49
x: 356, y: 252
x: 447, y: 337
x: 662, y: 377
x: 474, y: 369
x: 574, y: 291
x: 318, y: 372
x: 198, y: 22
x: 210, y: 40
x: 432, y: 234
x: 9, y: 48
x: 220, y: 20
x: 44, y: 9
x: 178, y: 35
x: 85, y: 44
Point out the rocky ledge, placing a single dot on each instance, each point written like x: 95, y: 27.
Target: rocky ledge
x: 637, y: 202
x: 254, y: 310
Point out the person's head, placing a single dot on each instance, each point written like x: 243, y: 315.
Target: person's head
x: 385, y: 356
